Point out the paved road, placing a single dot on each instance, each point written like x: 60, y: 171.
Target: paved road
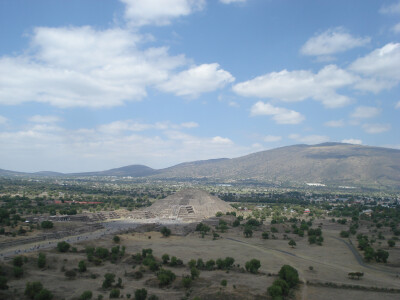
x: 360, y: 259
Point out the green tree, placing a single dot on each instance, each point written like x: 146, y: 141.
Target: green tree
x: 381, y: 255
x: 265, y: 235
x: 82, y: 266
x: 63, y: 246
x: 18, y: 272
x: 114, y: 293
x: 253, y: 265
x: 248, y: 232
x: 194, y: 272
x: 166, y: 232
x: 292, y: 243
x: 86, y: 295
x: 47, y: 224
x: 41, y: 260
x: 44, y: 294
x: 186, y: 282
x: 284, y: 286
x: 165, y: 258
x: 109, y: 279
x: 18, y: 261
x: 275, y: 291
x: 391, y: 243
x: 165, y: 277
x: 32, y: 289
x: 140, y: 294
x: 3, y: 283
x: 290, y: 275
x: 116, y: 239
x: 70, y: 274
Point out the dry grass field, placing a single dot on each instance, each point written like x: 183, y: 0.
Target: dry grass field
x: 330, y: 263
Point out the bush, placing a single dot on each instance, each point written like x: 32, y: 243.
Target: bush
x: 210, y: 265
x: 18, y: 261
x: 63, y: 246
x: 165, y: 258
x: 275, y: 291
x: 194, y: 272
x: 248, y: 232
x: 47, y: 224
x: 224, y: 282
x: 86, y: 295
x: 101, y: 253
x: 18, y: 272
x: 236, y: 223
x: 219, y: 214
x: 32, y: 289
x: 186, y: 282
x: 253, y: 265
x: 391, y: 243
x: 344, y: 234
x: 82, y: 266
x: 41, y: 260
x: 290, y: 275
x: 140, y: 294
x: 265, y: 235
x: 44, y: 294
x: 283, y: 285
x: 165, y: 277
x: 137, y: 275
x: 166, y: 231
x: 114, y: 293
x: 109, y: 279
x: 116, y: 239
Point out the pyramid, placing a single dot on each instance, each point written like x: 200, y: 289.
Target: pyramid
x: 188, y: 205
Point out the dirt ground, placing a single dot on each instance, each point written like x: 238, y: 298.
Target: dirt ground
x: 330, y: 263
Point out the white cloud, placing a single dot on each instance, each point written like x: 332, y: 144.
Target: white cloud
x: 365, y: 112
x: 189, y: 125
x: 376, y: 128
x: 272, y: 138
x: 335, y: 123
x: 398, y: 105
x: 119, y: 127
x: 159, y: 12
x: 332, y: 41
x: 279, y: 114
x: 382, y: 63
x: 309, y: 139
x: 44, y: 119
x: 396, y: 28
x: 391, y: 9
x: 197, y: 80
x: 47, y: 147
x: 352, y: 141
x: 232, y: 1
x: 84, y: 67
x: 3, y: 120
x: 292, y: 86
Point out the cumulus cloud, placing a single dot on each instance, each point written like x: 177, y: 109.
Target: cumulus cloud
x: 352, y: 141
x: 309, y: 139
x: 383, y: 63
x: 292, y: 86
x: 365, y: 112
x: 48, y: 147
x: 44, y: 119
x: 279, y: 114
x: 84, y: 67
x: 332, y: 41
x: 272, y: 138
x: 376, y: 128
x: 159, y: 12
x: 335, y: 123
x: 197, y: 80
x: 390, y: 9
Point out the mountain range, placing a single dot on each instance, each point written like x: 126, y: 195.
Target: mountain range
x: 328, y: 163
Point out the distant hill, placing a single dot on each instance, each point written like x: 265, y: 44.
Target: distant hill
x: 132, y: 170
x: 328, y: 163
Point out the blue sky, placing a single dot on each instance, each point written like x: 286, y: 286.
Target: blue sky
x: 92, y: 85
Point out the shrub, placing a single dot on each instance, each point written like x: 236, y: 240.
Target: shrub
x: 116, y: 239
x: 82, y: 266
x: 236, y: 223
x: 18, y: 261
x: 248, y: 232
x: 114, y: 293
x: 86, y: 295
x: 224, y: 282
x: 194, y: 272
x: 44, y: 294
x: 166, y: 231
x: 141, y: 294
x: 101, y: 253
x: 290, y: 275
x: 63, y: 246
x: 391, y: 243
x: 265, y: 235
x: 47, y: 224
x: 165, y: 277
x: 344, y: 234
x: 18, y: 272
x: 109, y: 279
x: 41, y: 260
x: 186, y: 281
x: 275, y: 291
x: 219, y: 214
x: 165, y: 258
x: 137, y: 275
x: 210, y: 265
x: 146, y: 252
x: 253, y: 265
x: 3, y: 283
x: 32, y: 289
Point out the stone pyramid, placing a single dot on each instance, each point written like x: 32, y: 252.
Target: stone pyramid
x: 188, y: 205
